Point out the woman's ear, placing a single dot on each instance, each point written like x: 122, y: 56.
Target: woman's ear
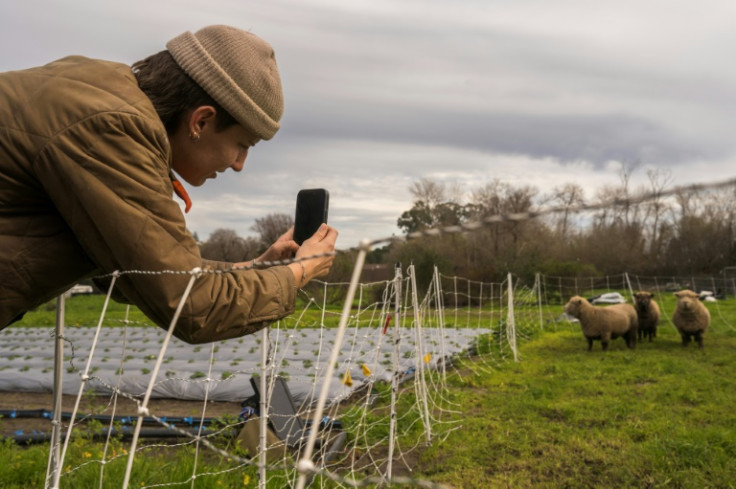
x: 200, y: 118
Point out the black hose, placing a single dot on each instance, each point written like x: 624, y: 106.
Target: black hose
x: 125, y: 420
x: 124, y: 433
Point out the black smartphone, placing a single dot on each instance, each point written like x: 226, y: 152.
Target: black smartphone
x: 311, y: 211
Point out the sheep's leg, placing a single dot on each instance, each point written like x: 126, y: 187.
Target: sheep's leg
x: 590, y: 344
x: 631, y: 340
x: 605, y: 338
x: 699, y: 338
x: 685, y: 339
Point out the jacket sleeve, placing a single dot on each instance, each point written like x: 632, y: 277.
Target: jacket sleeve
x: 108, y: 176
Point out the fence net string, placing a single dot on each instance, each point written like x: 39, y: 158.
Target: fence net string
x: 390, y: 411
x: 382, y: 379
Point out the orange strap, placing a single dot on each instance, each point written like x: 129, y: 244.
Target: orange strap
x: 182, y: 193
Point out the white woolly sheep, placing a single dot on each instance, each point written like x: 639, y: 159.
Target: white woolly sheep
x: 604, y: 323
x: 647, y: 310
x: 691, y: 317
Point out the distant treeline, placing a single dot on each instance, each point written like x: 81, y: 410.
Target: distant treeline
x: 689, y: 233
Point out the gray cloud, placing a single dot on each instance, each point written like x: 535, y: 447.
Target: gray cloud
x: 597, y: 138
x: 380, y: 93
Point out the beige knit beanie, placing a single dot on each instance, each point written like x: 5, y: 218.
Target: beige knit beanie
x: 238, y: 70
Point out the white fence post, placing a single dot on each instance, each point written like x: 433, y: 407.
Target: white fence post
x: 53, y: 469
x: 510, y: 323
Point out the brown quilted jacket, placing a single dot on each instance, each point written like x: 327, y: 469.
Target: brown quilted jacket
x: 85, y: 190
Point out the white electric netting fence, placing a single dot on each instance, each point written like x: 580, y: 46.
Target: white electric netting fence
x: 374, y: 372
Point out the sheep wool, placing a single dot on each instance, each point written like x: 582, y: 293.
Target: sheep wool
x: 647, y: 311
x: 691, y: 317
x: 604, y: 323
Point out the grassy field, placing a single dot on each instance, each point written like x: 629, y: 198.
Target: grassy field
x: 659, y: 416
x: 84, y: 310
x: 562, y: 417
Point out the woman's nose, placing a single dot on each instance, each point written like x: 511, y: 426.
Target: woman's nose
x: 240, y: 160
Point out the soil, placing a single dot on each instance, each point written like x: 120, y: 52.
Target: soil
x: 98, y: 405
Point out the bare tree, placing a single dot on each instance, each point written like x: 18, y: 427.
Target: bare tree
x: 428, y: 191
x: 567, y: 196
x: 628, y: 211
x: 489, y: 197
x: 271, y: 227
x: 434, y: 206
x: 226, y: 245
x: 498, y: 198
x: 656, y: 209
x: 454, y: 192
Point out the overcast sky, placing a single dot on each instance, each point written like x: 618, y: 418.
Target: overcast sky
x: 382, y: 93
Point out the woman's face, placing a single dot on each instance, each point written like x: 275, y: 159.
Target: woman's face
x: 199, y: 152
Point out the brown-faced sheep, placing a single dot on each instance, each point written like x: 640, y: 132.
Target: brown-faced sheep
x: 604, y: 323
x: 691, y: 317
x: 648, y: 313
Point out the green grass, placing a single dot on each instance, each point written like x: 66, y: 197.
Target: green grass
x: 25, y: 467
x: 659, y: 416
x: 83, y: 310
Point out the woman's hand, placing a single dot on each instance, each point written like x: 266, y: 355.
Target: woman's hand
x: 322, y: 242
x: 282, y: 249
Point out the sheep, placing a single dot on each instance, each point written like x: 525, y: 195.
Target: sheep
x: 647, y: 310
x: 691, y: 317
x: 604, y: 323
